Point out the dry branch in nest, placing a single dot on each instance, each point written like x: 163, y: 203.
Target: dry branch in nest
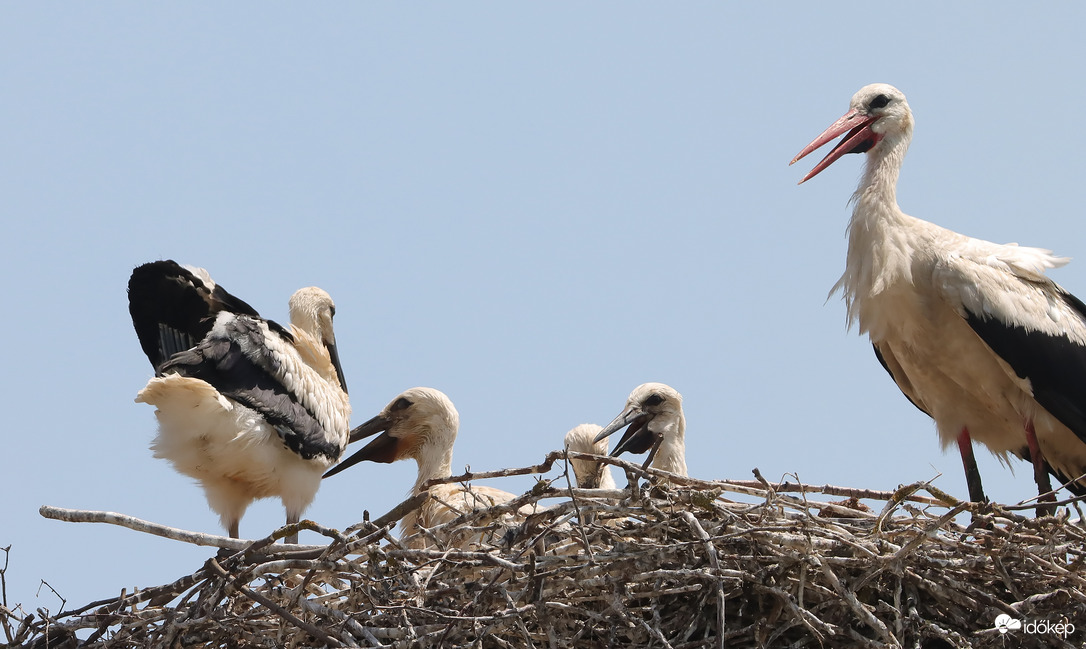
x: 677, y: 563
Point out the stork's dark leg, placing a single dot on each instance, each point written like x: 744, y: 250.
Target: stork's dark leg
x: 234, y: 529
x: 1040, y: 473
x: 972, y: 473
x: 291, y: 520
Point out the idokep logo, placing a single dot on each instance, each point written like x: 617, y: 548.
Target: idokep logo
x: 1005, y: 623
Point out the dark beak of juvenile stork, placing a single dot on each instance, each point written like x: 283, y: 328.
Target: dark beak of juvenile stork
x: 637, y: 438
x: 333, y: 353
x: 382, y: 449
x: 860, y: 139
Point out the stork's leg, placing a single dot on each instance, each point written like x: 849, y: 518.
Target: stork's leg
x: 291, y: 520
x: 972, y: 473
x: 1040, y: 473
x: 234, y: 531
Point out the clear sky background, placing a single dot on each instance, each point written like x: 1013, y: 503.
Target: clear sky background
x: 533, y: 208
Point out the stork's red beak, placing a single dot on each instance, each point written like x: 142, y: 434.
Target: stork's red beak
x: 860, y: 139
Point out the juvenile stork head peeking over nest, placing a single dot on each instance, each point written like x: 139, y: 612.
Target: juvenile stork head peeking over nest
x: 589, y: 474
x: 421, y: 424
x: 244, y: 406
x: 973, y: 332
x: 654, y: 416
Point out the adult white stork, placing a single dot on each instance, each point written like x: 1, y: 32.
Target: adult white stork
x: 655, y: 420
x: 973, y: 332
x: 246, y: 407
x: 589, y: 474
x: 422, y: 424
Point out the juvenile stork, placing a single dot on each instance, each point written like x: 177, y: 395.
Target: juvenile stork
x: 244, y: 406
x: 589, y: 474
x: 654, y: 416
x: 421, y: 424
x: 973, y: 332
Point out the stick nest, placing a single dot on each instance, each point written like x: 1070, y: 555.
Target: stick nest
x: 678, y: 563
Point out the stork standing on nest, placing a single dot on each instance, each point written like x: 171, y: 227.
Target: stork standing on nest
x: 655, y: 423
x: 422, y: 424
x: 246, y: 407
x: 973, y: 332
x: 589, y: 474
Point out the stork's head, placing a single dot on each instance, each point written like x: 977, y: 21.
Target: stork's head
x: 878, y: 117
x: 654, y: 412
x: 421, y: 424
x: 312, y: 311
x: 582, y: 439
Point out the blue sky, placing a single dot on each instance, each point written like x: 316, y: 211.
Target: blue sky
x: 533, y: 208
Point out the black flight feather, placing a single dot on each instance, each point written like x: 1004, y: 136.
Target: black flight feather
x: 1054, y: 365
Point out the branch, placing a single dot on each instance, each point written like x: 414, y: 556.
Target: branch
x: 147, y: 527
x: 744, y: 485
x: 547, y: 464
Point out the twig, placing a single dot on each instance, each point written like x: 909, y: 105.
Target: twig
x: 503, y: 473
x: 714, y: 561
x: 147, y: 527
x: 8, y: 631
x: 577, y: 507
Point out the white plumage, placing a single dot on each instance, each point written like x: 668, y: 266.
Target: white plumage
x: 655, y: 421
x: 972, y: 332
x: 422, y: 424
x: 589, y: 474
x: 245, y: 407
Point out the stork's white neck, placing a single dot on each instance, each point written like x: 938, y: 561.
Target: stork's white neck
x: 434, y: 461
x: 881, y: 171
x: 879, y: 233
x: 671, y: 456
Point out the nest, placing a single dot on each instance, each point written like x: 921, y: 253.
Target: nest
x: 667, y: 562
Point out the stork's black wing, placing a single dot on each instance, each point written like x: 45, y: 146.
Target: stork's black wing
x: 899, y: 377
x: 173, y: 308
x: 1054, y: 364
x: 237, y: 359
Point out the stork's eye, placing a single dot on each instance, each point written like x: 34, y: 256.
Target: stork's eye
x: 880, y: 101
x: 333, y: 310
x: 401, y: 403
x: 652, y: 400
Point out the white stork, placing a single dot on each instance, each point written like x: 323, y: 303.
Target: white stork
x: 655, y: 420
x: 421, y: 424
x: 589, y: 474
x: 973, y: 332
x: 246, y: 407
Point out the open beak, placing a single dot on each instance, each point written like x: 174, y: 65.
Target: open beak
x: 637, y: 438
x: 860, y: 139
x: 382, y: 449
